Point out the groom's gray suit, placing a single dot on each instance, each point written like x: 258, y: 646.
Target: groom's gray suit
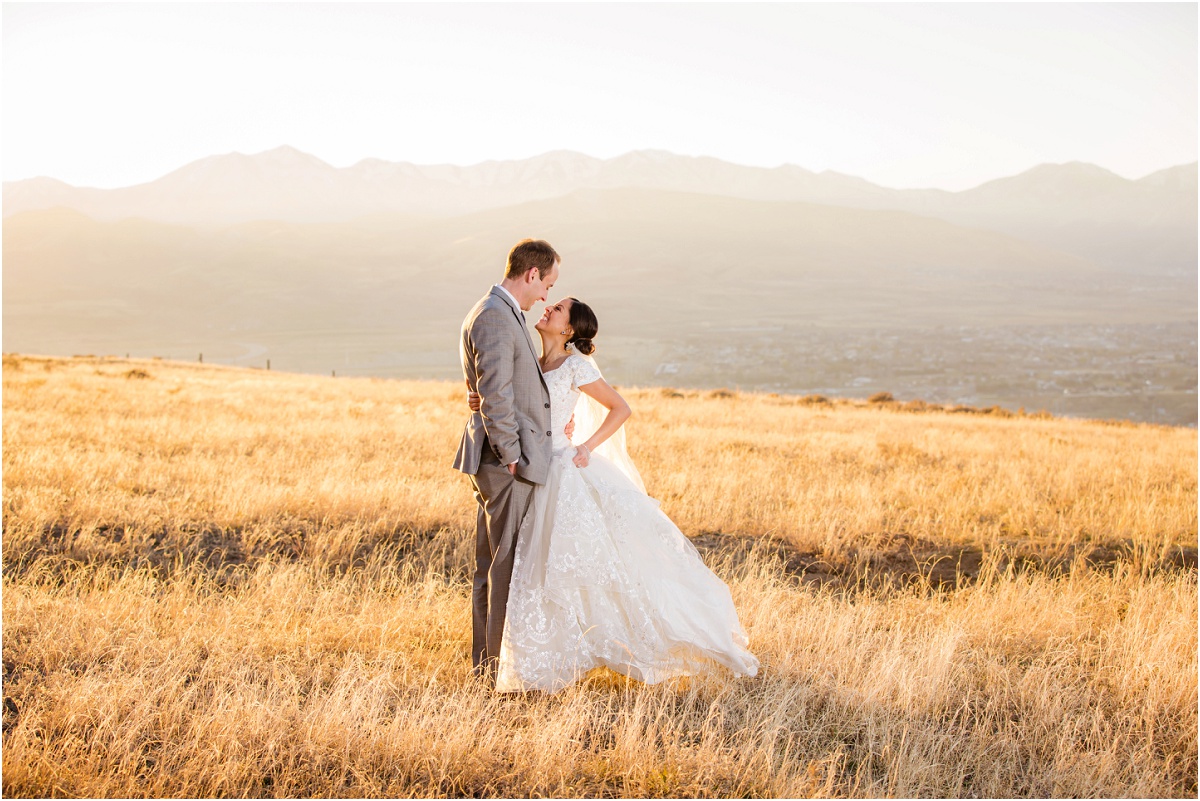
x: 512, y: 425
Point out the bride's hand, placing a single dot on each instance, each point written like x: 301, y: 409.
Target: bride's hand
x: 581, y: 456
x: 473, y: 400
x: 569, y: 428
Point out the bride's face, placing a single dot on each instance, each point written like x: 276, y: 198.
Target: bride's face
x: 556, y: 318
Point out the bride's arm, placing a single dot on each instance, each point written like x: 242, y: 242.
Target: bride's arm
x: 618, y: 411
x: 473, y: 401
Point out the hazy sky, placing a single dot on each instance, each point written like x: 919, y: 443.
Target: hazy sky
x: 945, y: 95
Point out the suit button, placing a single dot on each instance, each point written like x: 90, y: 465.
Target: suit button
x: 548, y: 434
x: 547, y: 406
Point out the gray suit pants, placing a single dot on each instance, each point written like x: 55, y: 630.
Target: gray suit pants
x: 503, y: 503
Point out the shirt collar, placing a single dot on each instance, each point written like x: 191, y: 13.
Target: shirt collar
x: 514, y: 300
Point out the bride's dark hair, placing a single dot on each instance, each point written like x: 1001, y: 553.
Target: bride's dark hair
x: 584, y: 326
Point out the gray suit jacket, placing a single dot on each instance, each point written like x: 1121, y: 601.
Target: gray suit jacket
x: 500, y: 363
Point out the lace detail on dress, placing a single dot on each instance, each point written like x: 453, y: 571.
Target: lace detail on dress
x: 563, y: 383
x: 583, y: 371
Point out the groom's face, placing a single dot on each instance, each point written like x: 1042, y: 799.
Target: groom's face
x: 540, y: 287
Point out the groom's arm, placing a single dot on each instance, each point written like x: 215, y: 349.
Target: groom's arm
x: 492, y: 336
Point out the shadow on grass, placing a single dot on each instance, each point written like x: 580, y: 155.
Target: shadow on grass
x: 901, y: 560
x: 228, y: 555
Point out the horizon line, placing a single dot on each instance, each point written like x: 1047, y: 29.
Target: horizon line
x: 567, y: 151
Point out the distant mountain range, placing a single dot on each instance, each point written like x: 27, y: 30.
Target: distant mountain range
x: 699, y: 270
x: 1139, y: 226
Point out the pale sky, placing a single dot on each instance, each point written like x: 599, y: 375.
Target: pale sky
x: 921, y: 95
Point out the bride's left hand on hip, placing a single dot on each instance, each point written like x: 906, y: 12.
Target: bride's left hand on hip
x: 581, y: 456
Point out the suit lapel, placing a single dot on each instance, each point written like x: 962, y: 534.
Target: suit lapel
x: 524, y: 329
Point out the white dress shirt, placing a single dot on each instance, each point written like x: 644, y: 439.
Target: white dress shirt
x: 514, y: 300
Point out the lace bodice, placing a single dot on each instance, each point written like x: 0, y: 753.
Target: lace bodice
x: 564, y: 382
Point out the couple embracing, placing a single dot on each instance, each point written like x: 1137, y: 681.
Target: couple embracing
x: 576, y: 566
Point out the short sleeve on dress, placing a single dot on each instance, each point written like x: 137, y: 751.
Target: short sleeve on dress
x: 584, y: 372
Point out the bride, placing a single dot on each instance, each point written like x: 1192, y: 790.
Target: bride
x: 601, y: 576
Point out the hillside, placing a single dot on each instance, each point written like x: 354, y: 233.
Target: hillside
x: 1065, y: 287
x: 233, y: 582
x: 696, y: 290
x: 721, y: 259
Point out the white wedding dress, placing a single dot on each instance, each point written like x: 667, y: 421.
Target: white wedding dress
x: 601, y: 577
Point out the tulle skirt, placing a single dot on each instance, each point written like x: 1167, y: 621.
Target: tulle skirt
x: 602, y: 577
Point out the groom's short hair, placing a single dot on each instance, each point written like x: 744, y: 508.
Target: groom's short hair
x: 530, y: 253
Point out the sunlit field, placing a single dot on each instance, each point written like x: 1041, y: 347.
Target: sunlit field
x: 232, y: 582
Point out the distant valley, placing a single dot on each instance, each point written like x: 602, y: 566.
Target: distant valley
x: 702, y: 273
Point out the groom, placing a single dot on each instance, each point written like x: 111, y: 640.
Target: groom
x: 505, y: 448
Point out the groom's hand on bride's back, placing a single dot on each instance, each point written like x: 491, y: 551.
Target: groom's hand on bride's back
x: 473, y: 402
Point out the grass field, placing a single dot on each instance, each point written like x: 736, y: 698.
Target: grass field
x: 230, y: 582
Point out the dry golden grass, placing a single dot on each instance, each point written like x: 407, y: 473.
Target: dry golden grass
x: 238, y: 583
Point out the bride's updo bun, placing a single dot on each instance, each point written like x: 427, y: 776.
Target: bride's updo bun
x: 583, y: 326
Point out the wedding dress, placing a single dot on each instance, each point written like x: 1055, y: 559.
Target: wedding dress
x: 602, y: 577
